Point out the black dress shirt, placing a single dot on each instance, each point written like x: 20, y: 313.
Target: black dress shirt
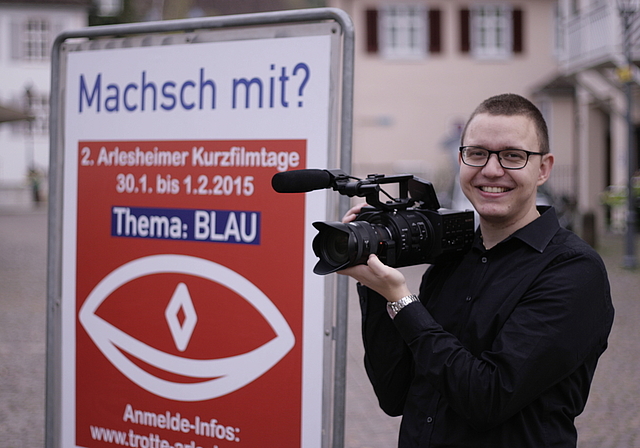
x: 502, y: 348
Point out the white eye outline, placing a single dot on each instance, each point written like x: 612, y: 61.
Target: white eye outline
x: 229, y: 374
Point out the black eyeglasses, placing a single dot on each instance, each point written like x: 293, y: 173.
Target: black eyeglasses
x: 510, y: 159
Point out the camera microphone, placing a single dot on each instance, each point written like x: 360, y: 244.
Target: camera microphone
x: 301, y: 181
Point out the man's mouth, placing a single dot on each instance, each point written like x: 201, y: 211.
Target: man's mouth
x: 494, y: 189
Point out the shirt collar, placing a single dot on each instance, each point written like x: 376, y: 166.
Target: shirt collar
x: 536, y: 234
x: 539, y: 232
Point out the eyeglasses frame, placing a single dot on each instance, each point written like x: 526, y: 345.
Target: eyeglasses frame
x: 497, y: 153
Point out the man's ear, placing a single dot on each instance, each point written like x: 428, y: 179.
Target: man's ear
x: 545, y: 168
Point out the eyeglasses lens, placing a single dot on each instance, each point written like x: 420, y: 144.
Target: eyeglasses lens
x: 509, y: 158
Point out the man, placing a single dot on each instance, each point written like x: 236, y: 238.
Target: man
x: 500, y: 348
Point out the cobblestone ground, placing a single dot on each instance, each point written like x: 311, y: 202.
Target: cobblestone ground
x: 611, y: 419
x: 612, y: 416
x: 23, y: 243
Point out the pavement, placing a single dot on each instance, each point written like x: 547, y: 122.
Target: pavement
x: 611, y: 419
x: 23, y: 244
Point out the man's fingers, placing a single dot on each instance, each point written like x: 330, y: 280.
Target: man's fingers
x: 352, y: 213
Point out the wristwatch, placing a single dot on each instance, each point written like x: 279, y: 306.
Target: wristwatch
x: 394, y: 308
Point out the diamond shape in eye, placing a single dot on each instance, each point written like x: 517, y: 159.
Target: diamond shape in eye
x: 181, y: 308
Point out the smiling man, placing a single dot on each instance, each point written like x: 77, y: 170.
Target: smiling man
x: 500, y: 347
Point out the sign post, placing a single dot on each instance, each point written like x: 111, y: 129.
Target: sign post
x: 182, y: 307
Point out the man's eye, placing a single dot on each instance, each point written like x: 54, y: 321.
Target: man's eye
x: 514, y: 155
x: 476, y: 153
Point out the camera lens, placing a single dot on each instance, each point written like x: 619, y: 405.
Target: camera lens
x: 335, y: 246
x: 340, y: 245
x: 401, y: 238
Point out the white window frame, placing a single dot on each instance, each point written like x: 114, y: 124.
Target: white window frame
x: 492, y: 31
x: 560, y: 30
x: 36, y: 39
x: 109, y: 8
x: 403, y: 31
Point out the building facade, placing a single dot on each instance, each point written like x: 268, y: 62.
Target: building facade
x: 588, y: 97
x: 27, y: 30
x: 423, y: 65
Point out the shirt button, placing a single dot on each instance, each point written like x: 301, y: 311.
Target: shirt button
x: 429, y: 419
x: 468, y: 299
x: 484, y: 259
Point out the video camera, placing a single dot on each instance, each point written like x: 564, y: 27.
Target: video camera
x: 405, y: 231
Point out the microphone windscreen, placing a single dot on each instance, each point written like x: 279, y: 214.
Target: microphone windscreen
x: 301, y: 181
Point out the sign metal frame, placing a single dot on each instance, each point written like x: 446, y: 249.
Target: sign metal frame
x: 222, y: 28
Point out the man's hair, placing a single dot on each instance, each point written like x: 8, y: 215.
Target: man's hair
x: 510, y: 104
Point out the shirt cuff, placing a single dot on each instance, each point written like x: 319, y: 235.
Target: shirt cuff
x: 413, y: 320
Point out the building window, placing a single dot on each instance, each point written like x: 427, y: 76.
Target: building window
x: 559, y: 41
x: 31, y: 39
x: 109, y: 8
x: 36, y: 40
x: 491, y: 31
x: 403, y: 31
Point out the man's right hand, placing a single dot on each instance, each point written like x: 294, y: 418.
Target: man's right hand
x: 353, y: 212
x: 387, y: 281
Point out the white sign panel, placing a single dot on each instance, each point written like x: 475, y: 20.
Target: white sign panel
x: 190, y: 316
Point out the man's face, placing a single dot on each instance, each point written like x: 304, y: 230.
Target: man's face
x: 503, y: 197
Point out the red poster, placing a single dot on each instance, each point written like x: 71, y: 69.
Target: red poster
x: 189, y: 294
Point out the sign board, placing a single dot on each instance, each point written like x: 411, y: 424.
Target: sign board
x: 188, y: 312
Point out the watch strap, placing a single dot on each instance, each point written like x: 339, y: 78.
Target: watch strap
x: 394, y: 308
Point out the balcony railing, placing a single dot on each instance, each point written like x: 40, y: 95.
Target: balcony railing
x: 593, y: 39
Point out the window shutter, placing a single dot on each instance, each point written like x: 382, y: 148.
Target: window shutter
x: 435, y: 31
x: 16, y: 40
x: 518, y: 31
x: 465, y: 31
x: 372, y: 30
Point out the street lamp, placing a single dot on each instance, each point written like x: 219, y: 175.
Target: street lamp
x: 628, y: 10
x: 28, y: 109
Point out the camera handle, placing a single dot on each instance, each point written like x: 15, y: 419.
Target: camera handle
x: 411, y: 190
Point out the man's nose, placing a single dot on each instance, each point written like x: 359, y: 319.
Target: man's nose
x: 493, y: 166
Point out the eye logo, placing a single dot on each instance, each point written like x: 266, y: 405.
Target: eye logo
x: 229, y: 374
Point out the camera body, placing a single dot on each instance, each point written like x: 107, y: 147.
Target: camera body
x: 405, y: 231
